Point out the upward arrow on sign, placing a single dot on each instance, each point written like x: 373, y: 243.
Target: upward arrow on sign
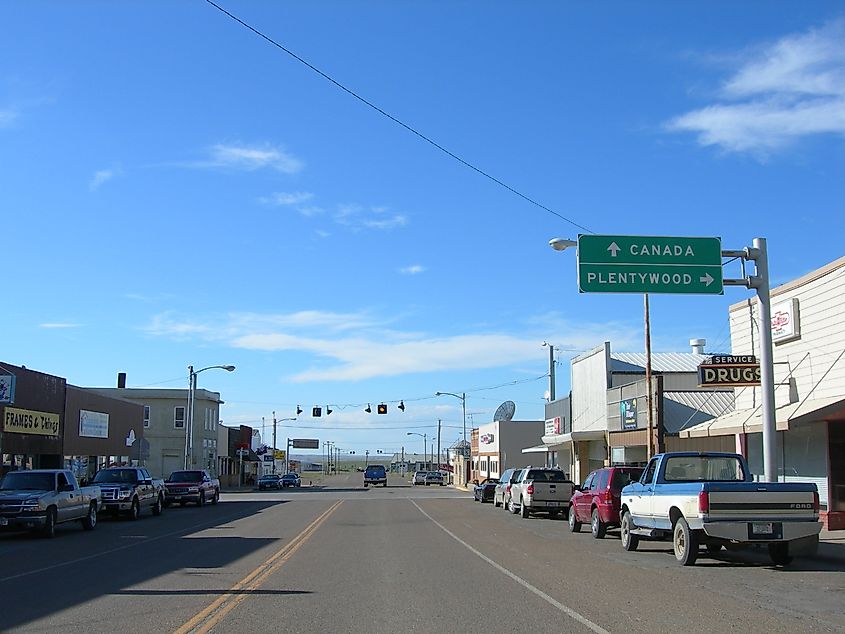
x: 614, y: 249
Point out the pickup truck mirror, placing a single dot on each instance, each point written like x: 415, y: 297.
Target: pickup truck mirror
x: 475, y: 481
x: 147, y: 482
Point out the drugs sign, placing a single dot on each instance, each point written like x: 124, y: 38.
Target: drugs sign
x: 729, y: 371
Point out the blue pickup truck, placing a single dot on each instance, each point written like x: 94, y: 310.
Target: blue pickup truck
x: 710, y: 499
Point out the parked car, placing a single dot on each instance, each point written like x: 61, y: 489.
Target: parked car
x: 597, y: 501
x: 483, y: 491
x: 502, y: 492
x: 43, y: 498
x: 269, y: 481
x: 130, y: 490
x: 711, y: 499
x: 419, y: 478
x: 375, y: 474
x: 540, y: 490
x: 434, y: 477
x: 191, y: 485
x: 291, y: 480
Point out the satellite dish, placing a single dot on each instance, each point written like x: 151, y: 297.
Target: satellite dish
x: 505, y: 411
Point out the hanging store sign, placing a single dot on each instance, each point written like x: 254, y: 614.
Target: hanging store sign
x: 628, y: 413
x: 93, y: 424
x: 729, y: 371
x: 25, y: 421
x: 785, y: 322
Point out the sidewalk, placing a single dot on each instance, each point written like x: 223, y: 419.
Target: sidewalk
x: 831, y: 546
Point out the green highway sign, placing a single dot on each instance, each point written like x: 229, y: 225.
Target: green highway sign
x: 649, y: 264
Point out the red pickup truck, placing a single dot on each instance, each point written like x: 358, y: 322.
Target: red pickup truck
x: 191, y: 485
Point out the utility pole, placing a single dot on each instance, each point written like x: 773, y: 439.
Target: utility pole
x: 274, y: 443
x: 649, y: 414
x: 438, y: 444
x: 551, y: 373
x: 403, y: 460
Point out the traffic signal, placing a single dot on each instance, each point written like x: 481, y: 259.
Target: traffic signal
x: 382, y: 408
x: 316, y: 412
x: 402, y: 405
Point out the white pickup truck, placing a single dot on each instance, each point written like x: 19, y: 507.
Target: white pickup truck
x: 540, y: 489
x: 711, y: 499
x: 42, y: 498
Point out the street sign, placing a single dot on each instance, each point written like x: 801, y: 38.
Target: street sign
x: 729, y: 371
x: 279, y: 454
x: 649, y: 264
x: 243, y: 452
x: 305, y: 443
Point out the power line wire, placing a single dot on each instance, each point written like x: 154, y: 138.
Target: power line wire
x: 407, y: 127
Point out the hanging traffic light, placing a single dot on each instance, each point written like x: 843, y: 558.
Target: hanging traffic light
x: 316, y: 412
x: 402, y: 405
x: 382, y: 408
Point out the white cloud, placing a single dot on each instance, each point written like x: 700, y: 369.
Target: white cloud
x: 7, y: 117
x: 359, y: 217
x: 414, y: 269
x: 285, y: 199
x: 356, y: 346
x: 100, y: 177
x: 780, y: 93
x: 251, y: 158
x: 58, y: 325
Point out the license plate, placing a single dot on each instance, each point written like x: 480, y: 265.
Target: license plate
x: 553, y: 503
x: 762, y: 528
x: 177, y: 497
x: 4, y: 521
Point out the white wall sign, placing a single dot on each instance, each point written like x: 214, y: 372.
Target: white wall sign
x: 553, y: 426
x: 93, y: 424
x: 785, y: 322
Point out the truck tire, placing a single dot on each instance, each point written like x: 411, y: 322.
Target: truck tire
x: 216, y: 497
x: 597, y: 527
x: 49, y: 528
x: 684, y: 543
x: 201, y: 499
x: 524, y: 510
x: 629, y: 540
x: 135, y: 510
x: 366, y: 485
x: 779, y: 553
x: 574, y: 524
x: 157, y: 507
x: 513, y: 508
x: 90, y: 520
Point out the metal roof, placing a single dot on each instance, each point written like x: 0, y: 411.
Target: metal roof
x: 634, y: 362
x: 682, y: 410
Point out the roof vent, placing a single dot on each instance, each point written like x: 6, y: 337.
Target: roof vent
x: 698, y: 345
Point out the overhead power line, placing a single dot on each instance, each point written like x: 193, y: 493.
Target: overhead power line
x: 395, y: 120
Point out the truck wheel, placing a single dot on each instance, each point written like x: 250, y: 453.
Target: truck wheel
x: 513, y: 508
x: 201, y: 499
x: 216, y: 497
x: 524, y: 510
x: 597, y: 527
x: 684, y: 543
x: 157, y: 506
x: 90, y: 520
x: 365, y: 485
x: 779, y: 553
x: 49, y: 529
x: 629, y: 541
x: 574, y: 524
x: 135, y: 510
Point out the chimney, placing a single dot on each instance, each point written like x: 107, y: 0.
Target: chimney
x: 121, y: 379
x: 698, y: 345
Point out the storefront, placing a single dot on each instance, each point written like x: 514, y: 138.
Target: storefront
x: 32, y: 409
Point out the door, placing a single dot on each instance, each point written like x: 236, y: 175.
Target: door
x: 640, y: 499
x: 146, y: 493
x: 583, y: 501
x: 66, y: 504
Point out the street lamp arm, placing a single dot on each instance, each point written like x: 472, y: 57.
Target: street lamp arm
x: 228, y: 368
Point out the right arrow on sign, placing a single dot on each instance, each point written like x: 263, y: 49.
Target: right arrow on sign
x: 613, y: 248
x: 707, y: 279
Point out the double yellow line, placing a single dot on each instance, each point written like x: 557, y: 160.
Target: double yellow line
x: 214, y: 613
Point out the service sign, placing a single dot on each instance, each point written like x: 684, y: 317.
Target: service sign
x: 25, y: 421
x: 305, y: 443
x: 729, y: 375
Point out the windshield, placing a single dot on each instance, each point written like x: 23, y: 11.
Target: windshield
x: 703, y: 469
x: 22, y: 481
x: 185, y: 476
x: 116, y: 476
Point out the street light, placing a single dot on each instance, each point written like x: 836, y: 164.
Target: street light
x: 287, y: 447
x: 463, y: 399
x: 559, y: 244
x: 425, y: 445
x: 189, y: 423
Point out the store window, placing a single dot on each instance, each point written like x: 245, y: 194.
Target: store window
x: 179, y: 417
x: 146, y: 415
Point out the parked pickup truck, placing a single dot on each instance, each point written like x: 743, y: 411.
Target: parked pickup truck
x: 40, y: 499
x: 130, y: 490
x: 375, y: 474
x: 540, y: 489
x: 711, y: 499
x: 191, y: 485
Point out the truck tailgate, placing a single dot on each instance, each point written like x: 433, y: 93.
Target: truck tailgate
x: 552, y: 491
x: 761, y: 501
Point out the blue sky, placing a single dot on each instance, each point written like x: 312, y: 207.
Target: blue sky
x: 176, y: 190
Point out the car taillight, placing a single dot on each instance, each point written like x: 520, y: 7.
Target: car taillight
x: 704, y: 502
x: 508, y: 489
x: 815, y: 501
x: 608, y: 497
x: 530, y: 489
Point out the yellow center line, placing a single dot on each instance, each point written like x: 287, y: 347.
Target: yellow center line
x: 211, y: 615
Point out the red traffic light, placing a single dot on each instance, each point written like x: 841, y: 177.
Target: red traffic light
x: 382, y: 408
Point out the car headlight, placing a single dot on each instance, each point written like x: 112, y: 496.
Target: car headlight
x: 193, y: 490
x: 33, y: 504
x: 124, y: 494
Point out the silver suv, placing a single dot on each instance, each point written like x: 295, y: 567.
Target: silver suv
x: 502, y: 492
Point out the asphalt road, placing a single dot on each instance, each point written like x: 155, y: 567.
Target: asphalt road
x: 340, y: 558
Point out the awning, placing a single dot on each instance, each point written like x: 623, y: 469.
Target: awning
x: 749, y: 421
x: 536, y: 449
x: 574, y: 436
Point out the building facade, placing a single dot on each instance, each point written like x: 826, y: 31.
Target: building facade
x: 498, y: 446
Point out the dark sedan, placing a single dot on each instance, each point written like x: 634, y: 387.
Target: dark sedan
x: 291, y: 480
x: 269, y: 481
x: 483, y: 491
